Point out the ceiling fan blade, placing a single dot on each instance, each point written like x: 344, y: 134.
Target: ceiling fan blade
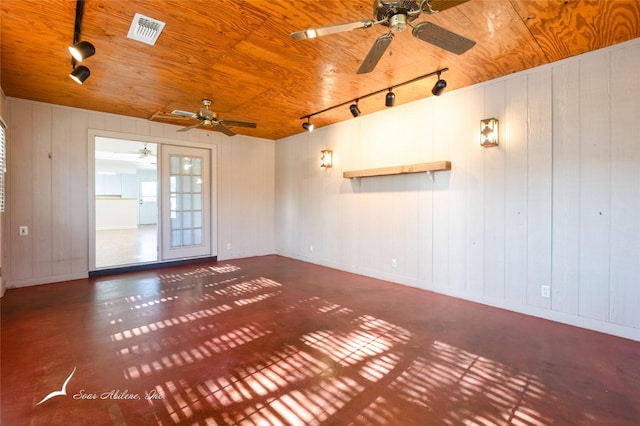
x: 238, y: 123
x: 184, y: 113
x: 376, y: 52
x: 184, y: 129
x: 173, y: 117
x: 443, y: 38
x: 435, y: 6
x: 224, y: 130
x: 331, y: 29
x: 168, y: 116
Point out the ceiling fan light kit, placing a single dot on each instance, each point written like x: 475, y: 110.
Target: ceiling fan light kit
x: 397, y: 22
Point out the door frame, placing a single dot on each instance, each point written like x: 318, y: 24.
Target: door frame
x: 91, y: 178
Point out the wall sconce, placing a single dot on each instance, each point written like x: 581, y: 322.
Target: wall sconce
x: 326, y: 158
x: 489, y: 132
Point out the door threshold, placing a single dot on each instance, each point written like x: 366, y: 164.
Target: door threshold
x: 150, y: 266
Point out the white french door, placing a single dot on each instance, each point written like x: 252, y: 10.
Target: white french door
x: 186, y: 201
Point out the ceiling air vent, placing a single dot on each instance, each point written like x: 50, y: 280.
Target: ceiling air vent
x: 145, y: 29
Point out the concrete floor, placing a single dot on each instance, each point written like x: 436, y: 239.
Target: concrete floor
x: 271, y: 341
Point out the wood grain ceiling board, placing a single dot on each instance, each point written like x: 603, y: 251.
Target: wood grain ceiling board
x: 567, y: 28
x: 239, y: 53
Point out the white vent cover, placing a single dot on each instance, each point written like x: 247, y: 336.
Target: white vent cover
x: 145, y: 29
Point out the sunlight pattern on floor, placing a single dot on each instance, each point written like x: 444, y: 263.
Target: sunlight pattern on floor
x: 457, y: 375
x: 263, y: 372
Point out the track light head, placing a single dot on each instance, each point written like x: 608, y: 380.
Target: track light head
x: 82, y: 50
x: 390, y: 99
x: 308, y: 126
x: 80, y: 74
x: 355, y: 111
x: 439, y: 87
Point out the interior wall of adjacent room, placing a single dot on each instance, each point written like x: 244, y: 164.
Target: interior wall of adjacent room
x: 555, y: 204
x: 47, y: 188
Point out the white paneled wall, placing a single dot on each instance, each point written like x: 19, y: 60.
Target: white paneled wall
x: 48, y: 188
x: 555, y: 204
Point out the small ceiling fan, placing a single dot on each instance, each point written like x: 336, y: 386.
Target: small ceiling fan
x: 145, y: 152
x: 397, y: 15
x: 205, y: 118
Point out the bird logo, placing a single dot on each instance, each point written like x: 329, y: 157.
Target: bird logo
x: 61, y: 392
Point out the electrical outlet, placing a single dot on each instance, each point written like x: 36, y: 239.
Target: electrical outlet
x: 23, y: 230
x: 311, y: 248
x: 545, y: 291
x: 228, y: 246
x: 394, y: 263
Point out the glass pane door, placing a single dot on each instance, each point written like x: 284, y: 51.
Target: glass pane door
x: 186, y: 201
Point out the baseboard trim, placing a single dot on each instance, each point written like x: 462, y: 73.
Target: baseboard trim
x: 45, y: 280
x: 150, y: 266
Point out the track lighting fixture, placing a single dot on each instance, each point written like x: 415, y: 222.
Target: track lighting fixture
x: 80, y: 74
x: 390, y: 99
x: 438, y: 88
x: 355, y: 111
x: 82, y: 50
x: 308, y: 126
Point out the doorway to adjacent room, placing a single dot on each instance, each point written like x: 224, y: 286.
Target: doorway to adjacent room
x: 126, y: 202
x: 152, y: 203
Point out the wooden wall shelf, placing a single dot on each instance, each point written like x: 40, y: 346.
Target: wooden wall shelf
x: 399, y: 170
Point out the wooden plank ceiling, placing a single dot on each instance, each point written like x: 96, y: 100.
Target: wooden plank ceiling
x: 239, y: 53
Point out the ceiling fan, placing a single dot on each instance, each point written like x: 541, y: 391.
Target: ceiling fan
x: 396, y: 15
x: 145, y: 152
x: 205, y: 118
